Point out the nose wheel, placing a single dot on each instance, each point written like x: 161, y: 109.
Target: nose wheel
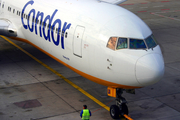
x: 114, y: 111
x: 120, y: 108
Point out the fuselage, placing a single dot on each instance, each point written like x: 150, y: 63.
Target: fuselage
x: 78, y: 34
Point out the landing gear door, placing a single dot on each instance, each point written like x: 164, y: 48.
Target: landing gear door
x: 77, y: 41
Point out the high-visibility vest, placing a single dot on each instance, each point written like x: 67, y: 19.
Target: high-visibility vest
x: 86, y: 114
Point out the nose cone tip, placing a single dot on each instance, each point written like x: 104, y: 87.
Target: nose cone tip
x: 149, y: 69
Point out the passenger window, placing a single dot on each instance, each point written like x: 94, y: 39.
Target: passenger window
x: 122, y: 43
x: 66, y: 35
x: 24, y: 15
x: 44, y: 24
x: 150, y: 41
x: 33, y: 20
x: 18, y: 13
x: 112, y: 43
x: 37, y: 21
x: 137, y: 44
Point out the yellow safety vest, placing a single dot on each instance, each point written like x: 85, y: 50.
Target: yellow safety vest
x: 86, y: 114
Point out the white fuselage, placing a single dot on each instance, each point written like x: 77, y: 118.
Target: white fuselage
x: 77, y: 36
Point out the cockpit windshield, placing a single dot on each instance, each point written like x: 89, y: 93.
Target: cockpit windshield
x: 117, y: 43
x: 122, y: 43
x: 112, y: 43
x: 151, y: 42
x: 137, y: 44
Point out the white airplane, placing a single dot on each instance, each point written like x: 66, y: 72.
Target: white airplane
x: 98, y: 39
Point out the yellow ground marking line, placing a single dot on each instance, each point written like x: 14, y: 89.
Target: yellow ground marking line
x: 65, y: 79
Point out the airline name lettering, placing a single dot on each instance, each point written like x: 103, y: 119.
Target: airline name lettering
x: 47, y: 20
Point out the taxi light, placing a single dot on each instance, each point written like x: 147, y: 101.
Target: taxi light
x: 111, y: 92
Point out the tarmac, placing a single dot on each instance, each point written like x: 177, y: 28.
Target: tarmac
x: 30, y: 91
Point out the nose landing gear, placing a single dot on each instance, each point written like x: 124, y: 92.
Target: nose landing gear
x: 120, y: 108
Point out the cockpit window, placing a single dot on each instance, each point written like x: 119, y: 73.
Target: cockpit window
x: 151, y: 42
x: 117, y: 43
x: 122, y: 43
x: 112, y: 43
x: 137, y: 44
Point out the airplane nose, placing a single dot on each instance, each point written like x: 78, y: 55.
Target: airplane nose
x: 149, y: 69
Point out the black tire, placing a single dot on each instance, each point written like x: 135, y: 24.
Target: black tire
x: 114, y: 111
x: 124, y: 109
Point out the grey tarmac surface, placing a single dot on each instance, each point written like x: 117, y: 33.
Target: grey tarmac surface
x: 29, y: 91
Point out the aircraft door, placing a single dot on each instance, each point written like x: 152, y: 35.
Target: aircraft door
x: 77, y: 41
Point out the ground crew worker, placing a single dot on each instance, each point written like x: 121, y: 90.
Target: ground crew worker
x: 85, y: 113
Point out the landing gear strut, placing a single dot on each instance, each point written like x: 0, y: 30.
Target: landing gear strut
x: 120, y: 108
